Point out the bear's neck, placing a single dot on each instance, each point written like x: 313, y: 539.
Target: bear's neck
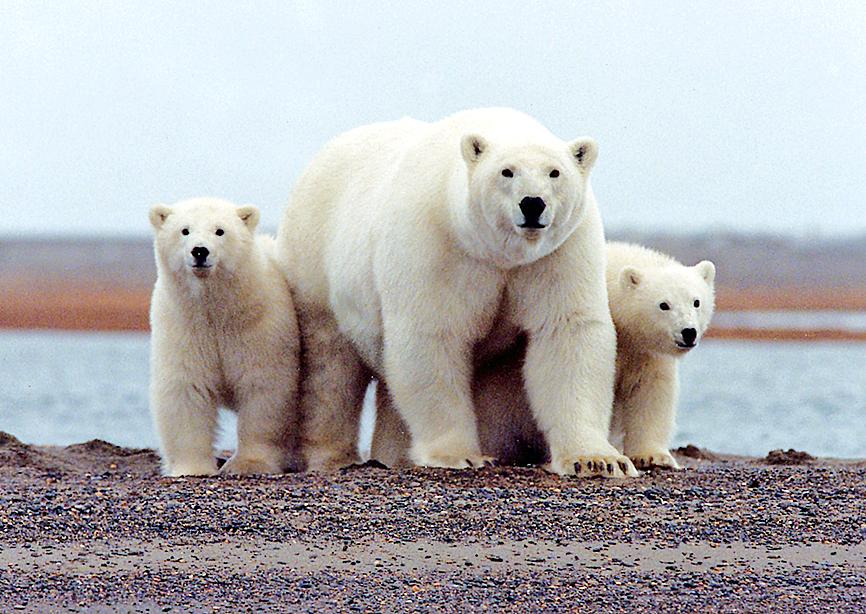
x: 466, y: 228
x: 234, y: 297
x: 631, y: 350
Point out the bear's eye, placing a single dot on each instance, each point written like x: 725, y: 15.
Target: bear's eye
x: 664, y: 307
x: 697, y: 303
x: 554, y: 173
x: 220, y: 232
x: 185, y: 231
x: 506, y: 172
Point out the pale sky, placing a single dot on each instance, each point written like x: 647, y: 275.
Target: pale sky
x: 741, y: 115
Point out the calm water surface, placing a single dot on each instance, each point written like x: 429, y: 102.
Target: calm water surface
x: 738, y: 397
x: 852, y: 321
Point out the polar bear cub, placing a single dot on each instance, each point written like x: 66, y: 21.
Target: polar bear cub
x: 224, y: 332
x: 415, y: 249
x: 660, y: 308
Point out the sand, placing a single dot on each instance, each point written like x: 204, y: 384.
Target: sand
x: 94, y: 526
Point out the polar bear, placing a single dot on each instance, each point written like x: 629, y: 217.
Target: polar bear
x: 223, y: 332
x: 660, y: 308
x: 414, y: 250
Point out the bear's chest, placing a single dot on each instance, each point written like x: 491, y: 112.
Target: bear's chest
x: 499, y: 333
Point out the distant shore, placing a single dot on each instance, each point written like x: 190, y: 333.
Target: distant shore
x: 45, y: 304
x: 94, y: 526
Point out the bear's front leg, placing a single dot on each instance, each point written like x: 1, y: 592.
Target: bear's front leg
x: 429, y: 377
x: 645, y: 409
x: 185, y: 415
x: 569, y: 373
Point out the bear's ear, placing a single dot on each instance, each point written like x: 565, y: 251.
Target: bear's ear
x: 158, y: 215
x: 249, y: 214
x: 584, y: 151
x: 707, y: 270
x: 630, y: 277
x: 473, y: 147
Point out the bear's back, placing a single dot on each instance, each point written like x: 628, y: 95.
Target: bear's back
x: 621, y: 255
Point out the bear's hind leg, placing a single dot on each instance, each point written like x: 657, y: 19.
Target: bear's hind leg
x: 391, y: 439
x: 266, y: 429
x: 333, y: 383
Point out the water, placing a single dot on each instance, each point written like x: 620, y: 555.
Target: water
x: 737, y: 397
x: 852, y: 321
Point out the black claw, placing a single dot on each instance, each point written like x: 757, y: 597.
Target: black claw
x: 577, y: 467
x: 469, y: 462
x: 610, y: 468
x: 623, y: 467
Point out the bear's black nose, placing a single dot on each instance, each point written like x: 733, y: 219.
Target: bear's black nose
x: 532, y: 207
x: 200, y: 254
x: 689, y: 336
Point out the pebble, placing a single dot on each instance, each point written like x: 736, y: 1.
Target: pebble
x: 48, y: 497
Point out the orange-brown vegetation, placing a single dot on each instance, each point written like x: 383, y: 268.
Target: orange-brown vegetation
x: 74, y: 307
x: 791, y: 298
x: 786, y: 334
x: 69, y: 306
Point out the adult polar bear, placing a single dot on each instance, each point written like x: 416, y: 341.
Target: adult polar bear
x: 409, y: 263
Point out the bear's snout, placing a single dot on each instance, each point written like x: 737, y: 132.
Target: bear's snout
x: 689, y: 336
x: 200, y: 254
x: 532, y: 207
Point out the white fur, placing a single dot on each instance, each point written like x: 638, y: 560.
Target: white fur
x: 402, y: 242
x: 224, y: 335
x: 638, y: 280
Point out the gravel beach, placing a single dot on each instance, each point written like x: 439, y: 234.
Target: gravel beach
x: 93, y: 526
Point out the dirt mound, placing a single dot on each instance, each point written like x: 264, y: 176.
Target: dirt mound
x: 93, y: 457
x: 97, y: 456
x: 6, y: 439
x: 100, y: 447
x: 693, y: 451
x: 15, y: 455
x: 788, y: 457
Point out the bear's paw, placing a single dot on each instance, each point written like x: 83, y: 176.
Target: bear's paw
x: 594, y: 465
x: 655, y: 459
x: 199, y: 469
x: 250, y: 466
x: 462, y: 461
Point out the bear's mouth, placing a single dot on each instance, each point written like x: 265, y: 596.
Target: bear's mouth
x: 685, y: 346
x: 532, y: 225
x: 201, y: 269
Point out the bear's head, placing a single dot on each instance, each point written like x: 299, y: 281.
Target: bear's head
x: 526, y: 196
x: 202, y: 237
x: 666, y: 309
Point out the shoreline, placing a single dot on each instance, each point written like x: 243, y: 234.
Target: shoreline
x: 92, y: 525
